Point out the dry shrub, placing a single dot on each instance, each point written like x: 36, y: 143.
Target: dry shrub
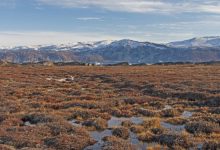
x: 122, y: 112
x: 137, y: 128
x: 211, y: 145
x: 151, y: 123
x: 158, y: 130
x: 6, y: 147
x: 130, y: 101
x: 172, y: 140
x: 127, y: 123
x: 177, y: 121
x: 121, y: 132
x: 215, y: 110
x: 60, y: 127
x: 114, y: 143
x: 36, y: 118
x: 146, y: 136
x: 98, y: 123
x: 157, y: 147
x: 68, y: 142
x: 12, y: 121
x: 87, y: 114
x: 197, y: 127
x: 170, y: 113
x: 147, y: 112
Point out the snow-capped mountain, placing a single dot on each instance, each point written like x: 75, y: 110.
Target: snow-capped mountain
x: 62, y: 47
x: 135, y: 44
x: 212, y: 41
x: 193, y: 50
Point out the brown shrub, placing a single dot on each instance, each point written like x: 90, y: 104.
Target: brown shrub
x: 177, y: 121
x: 202, y: 127
x: 68, y: 142
x: 158, y: 130
x: 6, y: 147
x: 211, y: 145
x: 172, y: 140
x: 99, y: 123
x: 87, y: 114
x: 127, y: 123
x: 121, y: 132
x: 114, y: 143
x: 170, y: 113
x: 146, y: 136
x: 137, y: 128
x: 151, y: 123
x: 147, y: 112
x: 36, y: 118
x: 60, y: 127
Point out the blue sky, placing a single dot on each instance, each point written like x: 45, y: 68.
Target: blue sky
x: 31, y: 22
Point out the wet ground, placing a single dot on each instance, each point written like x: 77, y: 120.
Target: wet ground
x: 142, y: 107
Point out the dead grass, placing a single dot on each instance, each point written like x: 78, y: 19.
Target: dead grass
x: 35, y: 111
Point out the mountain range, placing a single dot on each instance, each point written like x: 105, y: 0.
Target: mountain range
x: 201, y: 49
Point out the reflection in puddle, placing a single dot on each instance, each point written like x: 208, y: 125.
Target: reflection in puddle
x: 98, y: 136
x: 133, y: 139
x: 115, y: 121
x: 139, y: 145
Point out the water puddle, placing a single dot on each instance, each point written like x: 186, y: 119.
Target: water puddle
x: 187, y: 114
x: 98, y: 136
x: 76, y: 123
x: 27, y: 123
x: 133, y: 139
x: 116, y: 121
x: 69, y: 79
x: 199, y: 146
x: 139, y: 145
x: 174, y: 128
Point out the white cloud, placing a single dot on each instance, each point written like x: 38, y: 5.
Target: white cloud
x: 143, y: 6
x: 15, y: 38
x: 89, y: 18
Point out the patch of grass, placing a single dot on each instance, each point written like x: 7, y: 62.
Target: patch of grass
x: 137, y: 128
x: 151, y: 123
x: 212, y: 145
x: 197, y: 127
x: 114, y: 143
x: 121, y: 132
x: 170, y: 113
x: 98, y: 123
x: 172, y: 140
x: 146, y: 136
x: 177, y: 121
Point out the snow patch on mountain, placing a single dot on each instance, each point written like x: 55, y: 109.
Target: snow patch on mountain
x: 211, y: 41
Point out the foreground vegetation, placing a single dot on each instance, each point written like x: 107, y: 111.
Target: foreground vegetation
x: 131, y: 107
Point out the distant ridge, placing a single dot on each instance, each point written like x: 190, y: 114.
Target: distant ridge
x: 209, y: 41
x: 203, y: 49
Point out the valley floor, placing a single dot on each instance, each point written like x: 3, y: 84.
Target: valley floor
x: 120, y: 107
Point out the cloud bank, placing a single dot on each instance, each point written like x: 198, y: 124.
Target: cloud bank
x: 142, y: 6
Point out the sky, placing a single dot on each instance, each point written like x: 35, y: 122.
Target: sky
x: 33, y: 22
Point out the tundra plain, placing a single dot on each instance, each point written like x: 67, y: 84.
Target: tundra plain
x: 114, y: 107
